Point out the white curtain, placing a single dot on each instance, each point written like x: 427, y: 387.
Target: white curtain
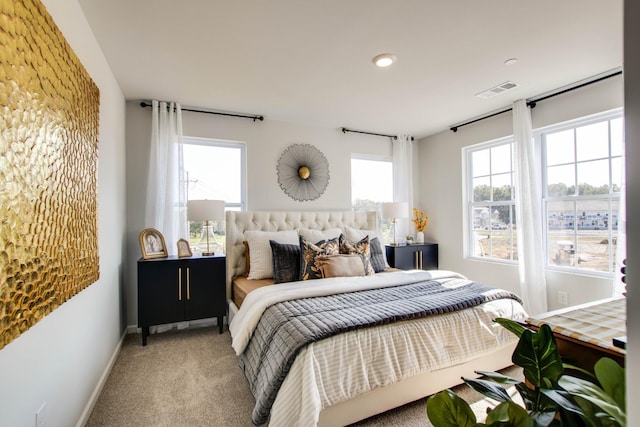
x: 531, y: 255
x: 403, y: 180
x: 166, y: 204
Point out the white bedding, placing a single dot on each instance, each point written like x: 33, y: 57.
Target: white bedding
x: 245, y: 321
x: 346, y: 365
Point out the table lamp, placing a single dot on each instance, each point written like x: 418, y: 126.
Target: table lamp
x: 393, y: 211
x: 205, y: 210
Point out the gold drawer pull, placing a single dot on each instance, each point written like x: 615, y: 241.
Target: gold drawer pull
x: 188, y: 284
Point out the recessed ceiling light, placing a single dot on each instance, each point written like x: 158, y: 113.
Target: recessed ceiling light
x: 384, y: 59
x: 510, y: 61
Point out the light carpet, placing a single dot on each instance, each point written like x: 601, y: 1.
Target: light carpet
x: 192, y: 378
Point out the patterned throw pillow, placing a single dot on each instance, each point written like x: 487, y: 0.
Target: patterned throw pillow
x: 286, y: 262
x: 308, y: 253
x: 361, y: 248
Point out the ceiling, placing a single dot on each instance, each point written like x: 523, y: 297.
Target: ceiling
x: 309, y: 62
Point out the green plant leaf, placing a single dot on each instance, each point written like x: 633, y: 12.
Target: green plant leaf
x: 530, y: 396
x: 571, y: 419
x: 594, y: 416
x: 583, y: 372
x: 498, y: 377
x: 594, y: 394
x: 445, y: 409
x: 538, y: 355
x: 563, y: 400
x: 511, y: 325
x: 509, y: 414
x: 611, y: 377
x: 489, y: 389
x: 543, y: 418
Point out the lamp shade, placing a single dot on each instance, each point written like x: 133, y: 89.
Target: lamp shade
x: 395, y: 210
x: 205, y: 210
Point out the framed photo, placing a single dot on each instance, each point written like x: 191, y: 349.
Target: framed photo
x: 184, y: 250
x: 152, y: 244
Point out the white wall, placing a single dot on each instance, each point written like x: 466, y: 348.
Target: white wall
x: 441, y: 189
x: 265, y: 142
x: 62, y: 358
x: 632, y: 137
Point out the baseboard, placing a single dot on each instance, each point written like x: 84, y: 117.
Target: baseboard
x: 103, y: 379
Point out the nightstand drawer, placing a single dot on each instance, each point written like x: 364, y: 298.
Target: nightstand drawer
x: 423, y: 256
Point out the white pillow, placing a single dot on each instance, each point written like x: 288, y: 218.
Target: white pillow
x: 355, y: 235
x: 260, y: 256
x: 314, y: 236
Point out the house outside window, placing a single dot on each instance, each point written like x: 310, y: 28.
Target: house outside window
x: 491, y: 202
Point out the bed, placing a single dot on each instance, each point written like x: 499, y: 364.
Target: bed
x: 359, y: 371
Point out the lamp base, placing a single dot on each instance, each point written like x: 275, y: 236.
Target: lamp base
x: 208, y: 253
x: 395, y: 244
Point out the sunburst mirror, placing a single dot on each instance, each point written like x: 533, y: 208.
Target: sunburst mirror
x: 303, y: 172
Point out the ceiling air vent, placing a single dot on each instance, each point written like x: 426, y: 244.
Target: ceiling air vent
x: 497, y: 90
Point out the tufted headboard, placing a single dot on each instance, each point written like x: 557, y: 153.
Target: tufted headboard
x: 239, y: 222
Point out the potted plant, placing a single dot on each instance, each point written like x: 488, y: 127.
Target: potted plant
x: 420, y: 220
x: 551, y: 396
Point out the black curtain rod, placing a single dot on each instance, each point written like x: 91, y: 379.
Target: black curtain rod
x: 533, y: 102
x: 219, y: 113
x: 345, y: 130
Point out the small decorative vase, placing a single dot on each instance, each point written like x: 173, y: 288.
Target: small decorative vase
x: 419, y: 237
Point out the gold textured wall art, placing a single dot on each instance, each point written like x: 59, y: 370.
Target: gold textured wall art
x: 49, y: 112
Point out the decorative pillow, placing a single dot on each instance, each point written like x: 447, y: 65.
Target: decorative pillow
x: 261, y: 265
x: 355, y: 235
x: 308, y: 254
x: 286, y: 262
x: 340, y: 265
x: 377, y: 257
x: 317, y: 235
x: 361, y: 248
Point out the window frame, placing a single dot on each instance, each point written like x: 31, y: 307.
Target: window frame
x: 470, y: 204
x: 242, y: 146
x: 384, y: 224
x: 611, y: 198
x: 374, y: 158
x: 539, y: 135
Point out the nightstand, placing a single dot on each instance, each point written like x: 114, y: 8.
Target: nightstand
x: 421, y: 256
x: 175, y: 289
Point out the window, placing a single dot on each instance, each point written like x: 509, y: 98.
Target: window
x: 214, y: 170
x: 491, y: 203
x: 371, y: 185
x: 582, y: 170
x: 582, y: 176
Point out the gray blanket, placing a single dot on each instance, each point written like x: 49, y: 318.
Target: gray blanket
x: 286, y: 327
